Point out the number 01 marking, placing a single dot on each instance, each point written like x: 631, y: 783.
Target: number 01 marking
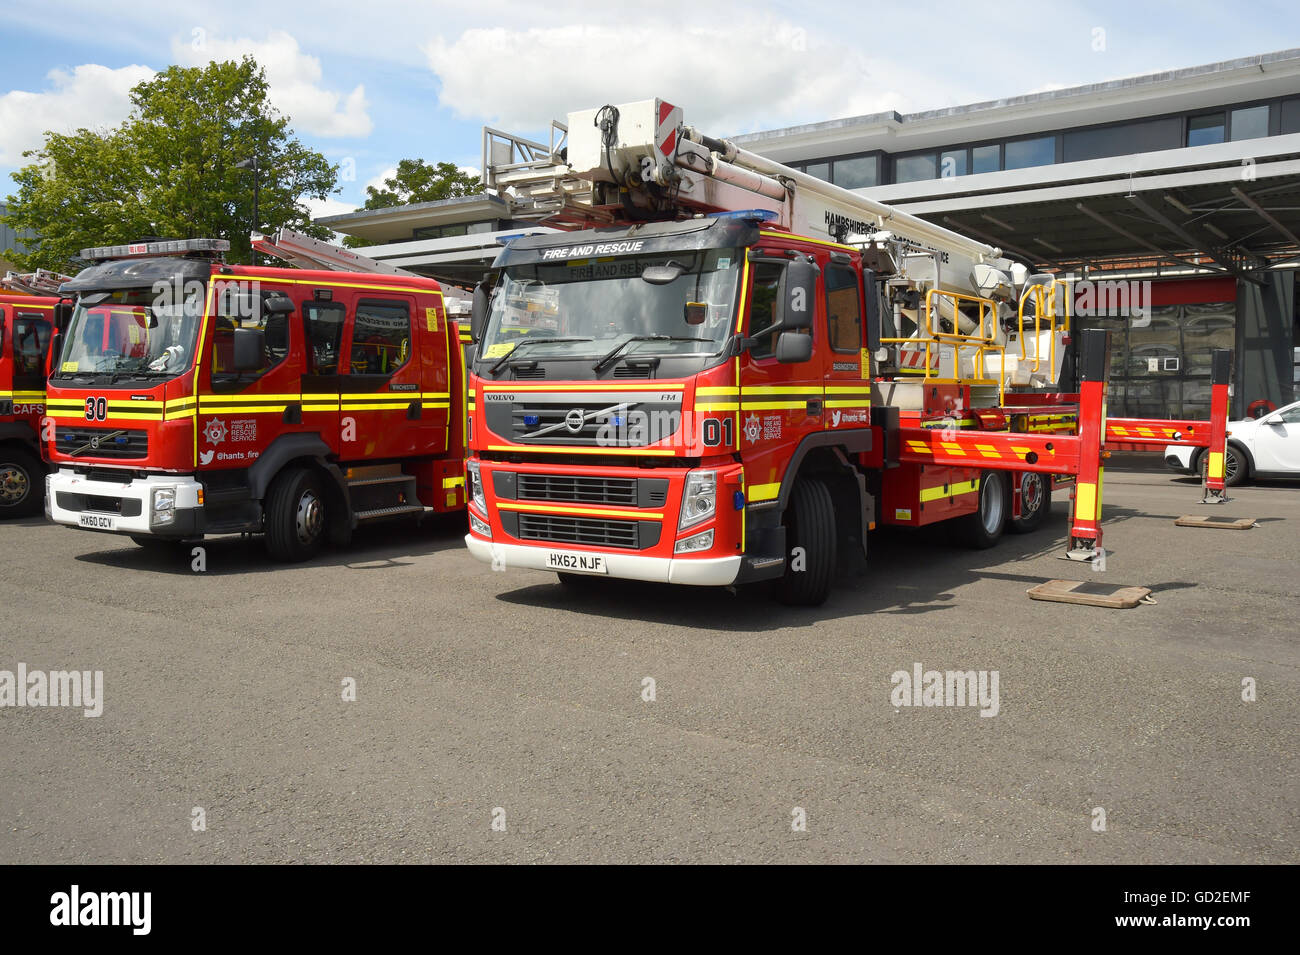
x: 716, y: 432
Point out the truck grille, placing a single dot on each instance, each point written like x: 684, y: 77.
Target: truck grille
x: 578, y: 530
x: 585, y: 490
x: 105, y: 442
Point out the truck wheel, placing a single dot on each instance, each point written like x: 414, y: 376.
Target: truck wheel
x: 983, y: 529
x: 22, y: 483
x: 810, y: 539
x: 1035, y: 502
x: 296, y: 518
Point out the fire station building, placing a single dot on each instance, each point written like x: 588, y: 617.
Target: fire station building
x: 1175, y: 195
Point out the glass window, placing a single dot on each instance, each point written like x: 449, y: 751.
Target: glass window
x: 858, y: 172
x: 381, y: 337
x: 1249, y: 123
x: 1023, y: 153
x: 915, y: 168
x: 1144, y: 137
x: 822, y: 170
x: 763, y: 298
x: 324, y: 326
x: 1204, y: 130
x: 1290, y: 116
x: 233, y: 310
x: 952, y: 163
x: 986, y: 158
x: 843, y: 309
x: 31, y: 339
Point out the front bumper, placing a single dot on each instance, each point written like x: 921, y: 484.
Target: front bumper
x: 125, y: 506
x: 696, y: 571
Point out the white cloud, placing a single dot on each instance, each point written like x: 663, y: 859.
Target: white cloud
x: 91, y: 96
x: 750, y: 73
x: 293, y: 78
x: 328, y: 206
x: 377, y: 183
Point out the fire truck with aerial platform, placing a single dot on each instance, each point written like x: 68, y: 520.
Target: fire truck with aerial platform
x: 722, y: 370
x: 193, y: 397
x: 29, y: 313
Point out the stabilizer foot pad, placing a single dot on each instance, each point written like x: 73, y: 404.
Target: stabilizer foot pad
x: 1240, y: 524
x: 1090, y: 593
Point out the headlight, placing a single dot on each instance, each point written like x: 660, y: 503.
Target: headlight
x: 164, y: 505
x: 699, y: 497
x: 479, y: 526
x: 695, y: 543
x: 476, y: 486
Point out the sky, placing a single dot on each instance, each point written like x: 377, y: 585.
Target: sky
x: 369, y: 83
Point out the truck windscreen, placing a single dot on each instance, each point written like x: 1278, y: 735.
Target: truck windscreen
x: 132, y: 333
x: 679, y: 303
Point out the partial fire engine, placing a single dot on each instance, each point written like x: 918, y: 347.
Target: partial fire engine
x: 192, y: 397
x: 27, y: 323
x: 725, y: 370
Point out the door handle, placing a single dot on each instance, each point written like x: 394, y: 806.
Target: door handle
x: 814, y: 408
x: 292, y: 414
x: 413, y: 411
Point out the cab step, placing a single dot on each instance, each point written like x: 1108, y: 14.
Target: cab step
x: 395, y: 511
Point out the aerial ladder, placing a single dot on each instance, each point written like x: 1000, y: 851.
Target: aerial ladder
x: 959, y: 318
x: 39, y: 282
x: 307, y: 252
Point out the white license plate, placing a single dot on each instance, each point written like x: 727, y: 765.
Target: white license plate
x: 576, y: 563
x: 100, y: 522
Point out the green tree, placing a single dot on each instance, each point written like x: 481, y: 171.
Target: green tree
x: 169, y: 170
x: 419, y: 181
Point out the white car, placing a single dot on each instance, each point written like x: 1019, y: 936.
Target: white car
x: 1267, y: 447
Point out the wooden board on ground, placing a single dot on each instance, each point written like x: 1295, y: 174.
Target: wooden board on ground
x: 1090, y: 593
x: 1238, y: 524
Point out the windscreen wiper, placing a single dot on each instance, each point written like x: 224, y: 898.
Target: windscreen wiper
x: 529, y: 341
x: 614, y: 352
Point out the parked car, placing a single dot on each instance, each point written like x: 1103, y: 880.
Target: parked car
x: 1267, y: 447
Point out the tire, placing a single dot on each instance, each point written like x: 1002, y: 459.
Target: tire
x: 810, y: 525
x: 297, y: 518
x: 982, y: 529
x: 1035, y: 489
x: 1236, y: 466
x: 22, y: 482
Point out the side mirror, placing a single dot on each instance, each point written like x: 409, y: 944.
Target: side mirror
x: 478, y: 312
x: 792, y: 348
x: 800, y: 293
x: 62, y: 315
x: 249, y: 346
x: 1273, y: 419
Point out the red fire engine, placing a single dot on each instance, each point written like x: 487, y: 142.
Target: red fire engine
x: 27, y: 323
x: 192, y: 398
x: 725, y: 370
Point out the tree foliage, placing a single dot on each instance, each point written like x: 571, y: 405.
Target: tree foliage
x: 419, y: 181
x: 169, y: 170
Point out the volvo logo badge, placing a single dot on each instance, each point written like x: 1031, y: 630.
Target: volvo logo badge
x: 94, y: 443
x: 574, y: 420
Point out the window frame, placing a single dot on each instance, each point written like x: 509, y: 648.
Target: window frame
x: 357, y: 307
x: 826, y: 306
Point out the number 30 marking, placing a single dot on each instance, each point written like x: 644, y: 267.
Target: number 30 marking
x: 96, y: 409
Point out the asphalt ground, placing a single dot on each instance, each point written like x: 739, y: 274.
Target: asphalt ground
x: 485, y: 696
